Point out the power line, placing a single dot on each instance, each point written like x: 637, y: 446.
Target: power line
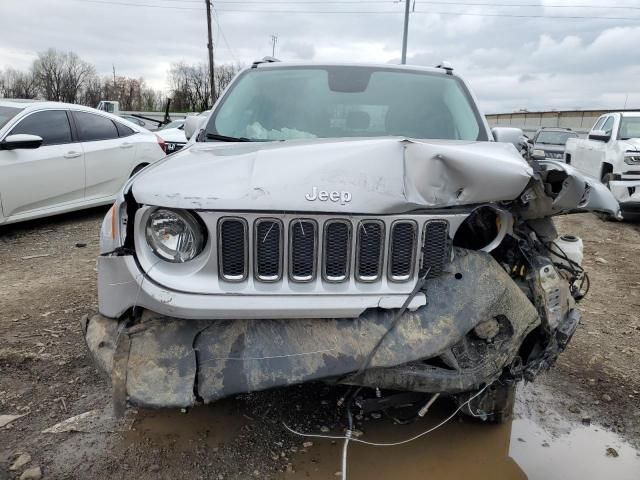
x: 517, y: 5
x: 428, y: 2
x: 221, y: 32
x: 396, y: 2
x: 370, y: 12
x: 389, y: 12
x: 126, y: 4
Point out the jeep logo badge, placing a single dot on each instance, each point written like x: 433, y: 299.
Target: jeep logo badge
x: 323, y: 196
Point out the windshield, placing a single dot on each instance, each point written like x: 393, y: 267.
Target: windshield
x: 345, y: 101
x: 7, y: 113
x: 629, y: 128
x: 555, y: 138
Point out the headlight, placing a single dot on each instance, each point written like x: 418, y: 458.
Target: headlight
x: 632, y: 158
x: 174, y: 235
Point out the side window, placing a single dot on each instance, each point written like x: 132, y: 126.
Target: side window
x: 51, y: 125
x: 94, y: 127
x: 608, y: 126
x: 123, y: 130
x: 599, y: 123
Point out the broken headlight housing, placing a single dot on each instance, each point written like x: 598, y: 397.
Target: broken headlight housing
x: 174, y: 235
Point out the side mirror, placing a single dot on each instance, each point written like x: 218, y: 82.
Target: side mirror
x: 20, y: 140
x: 600, y: 135
x: 508, y: 135
x: 193, y: 124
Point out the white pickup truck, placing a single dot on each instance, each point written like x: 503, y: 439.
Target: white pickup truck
x: 612, y: 154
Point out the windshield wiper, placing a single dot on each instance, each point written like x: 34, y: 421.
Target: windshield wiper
x: 225, y: 138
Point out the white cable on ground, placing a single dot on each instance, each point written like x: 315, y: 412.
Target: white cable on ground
x: 344, y: 454
x: 392, y: 444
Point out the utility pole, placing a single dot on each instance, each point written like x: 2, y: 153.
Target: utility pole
x: 210, y: 47
x: 274, y: 40
x: 406, y: 32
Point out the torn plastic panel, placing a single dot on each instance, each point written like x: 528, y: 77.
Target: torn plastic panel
x: 563, y: 189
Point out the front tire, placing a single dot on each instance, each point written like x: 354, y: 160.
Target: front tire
x: 494, y: 405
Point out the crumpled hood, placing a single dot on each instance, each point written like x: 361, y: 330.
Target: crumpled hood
x: 382, y: 175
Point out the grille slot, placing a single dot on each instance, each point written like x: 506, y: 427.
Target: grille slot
x: 402, y: 250
x: 369, y: 250
x: 233, y: 249
x: 435, y: 247
x: 337, y: 250
x: 302, y: 250
x: 268, y: 245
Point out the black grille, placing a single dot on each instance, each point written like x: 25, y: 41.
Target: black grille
x: 268, y: 248
x: 337, y: 246
x: 302, y: 254
x: 369, y: 256
x: 402, y: 250
x: 435, y: 248
x: 233, y: 249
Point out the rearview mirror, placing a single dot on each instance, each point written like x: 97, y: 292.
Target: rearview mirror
x: 508, y: 135
x: 600, y: 135
x: 20, y: 140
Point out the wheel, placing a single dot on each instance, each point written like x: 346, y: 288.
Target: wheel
x: 494, y: 405
x: 138, y: 168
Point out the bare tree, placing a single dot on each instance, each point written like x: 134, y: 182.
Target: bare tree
x: 151, y: 99
x: 223, y: 74
x: 49, y: 72
x: 92, y: 92
x: 190, y: 88
x: 65, y: 77
x: 75, y: 74
x: 16, y: 84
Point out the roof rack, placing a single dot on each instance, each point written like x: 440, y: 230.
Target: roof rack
x: 446, y: 66
x: 264, y: 60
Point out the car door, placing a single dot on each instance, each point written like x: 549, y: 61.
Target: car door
x: 47, y: 177
x: 108, y: 156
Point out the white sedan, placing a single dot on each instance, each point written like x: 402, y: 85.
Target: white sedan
x: 58, y: 157
x: 173, y: 135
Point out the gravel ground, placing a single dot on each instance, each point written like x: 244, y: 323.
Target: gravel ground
x: 48, y: 281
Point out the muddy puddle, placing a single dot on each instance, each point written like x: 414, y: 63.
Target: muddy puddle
x: 209, y: 425
x: 228, y: 436
x: 465, y: 449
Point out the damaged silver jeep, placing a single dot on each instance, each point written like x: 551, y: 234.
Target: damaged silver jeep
x: 353, y: 224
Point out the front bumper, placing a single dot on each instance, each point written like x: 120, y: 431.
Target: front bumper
x: 162, y: 361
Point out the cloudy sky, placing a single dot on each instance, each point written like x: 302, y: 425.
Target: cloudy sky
x: 514, y: 57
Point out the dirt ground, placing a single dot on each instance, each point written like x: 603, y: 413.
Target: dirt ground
x: 48, y: 281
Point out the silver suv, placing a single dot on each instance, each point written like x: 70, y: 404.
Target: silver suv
x: 355, y: 224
